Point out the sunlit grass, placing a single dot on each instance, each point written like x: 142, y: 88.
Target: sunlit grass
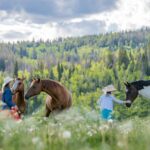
x: 74, y: 129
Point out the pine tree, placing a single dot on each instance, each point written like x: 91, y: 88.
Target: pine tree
x: 69, y: 74
x: 2, y: 65
x: 145, y: 63
x: 16, y: 69
x: 34, y: 54
x: 52, y: 75
x: 123, y: 58
x: 59, y: 71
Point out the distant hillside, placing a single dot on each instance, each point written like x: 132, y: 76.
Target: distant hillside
x: 70, y: 49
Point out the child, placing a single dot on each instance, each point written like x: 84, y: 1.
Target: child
x: 106, y: 102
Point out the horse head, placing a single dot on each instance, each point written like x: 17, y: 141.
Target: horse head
x: 18, y: 85
x: 18, y: 91
x: 35, y: 88
x: 131, y: 93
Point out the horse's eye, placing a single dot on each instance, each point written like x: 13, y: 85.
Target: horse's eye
x: 19, y: 83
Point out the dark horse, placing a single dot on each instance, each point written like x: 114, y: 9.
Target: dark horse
x: 59, y: 97
x: 136, y: 88
x: 18, y: 91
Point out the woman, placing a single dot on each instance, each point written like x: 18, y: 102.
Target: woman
x: 7, y: 94
x: 106, y: 102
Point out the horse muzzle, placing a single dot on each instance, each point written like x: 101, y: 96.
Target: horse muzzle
x: 128, y: 105
x: 13, y: 91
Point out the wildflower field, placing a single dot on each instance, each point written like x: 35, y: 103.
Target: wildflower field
x: 74, y: 129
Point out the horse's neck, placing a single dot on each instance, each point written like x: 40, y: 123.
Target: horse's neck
x: 20, y: 97
x: 49, y: 87
x: 145, y: 92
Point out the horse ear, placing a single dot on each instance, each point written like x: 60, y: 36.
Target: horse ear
x: 38, y: 80
x: 23, y: 78
x: 127, y: 84
x: 33, y: 79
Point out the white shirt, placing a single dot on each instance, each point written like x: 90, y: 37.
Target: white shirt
x: 106, y: 102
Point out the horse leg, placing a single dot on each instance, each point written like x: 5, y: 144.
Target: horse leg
x: 47, y: 112
x: 48, y: 106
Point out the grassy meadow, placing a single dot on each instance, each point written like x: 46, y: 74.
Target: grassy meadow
x: 74, y: 129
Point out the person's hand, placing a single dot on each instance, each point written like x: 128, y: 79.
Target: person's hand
x: 14, y: 108
x: 128, y: 102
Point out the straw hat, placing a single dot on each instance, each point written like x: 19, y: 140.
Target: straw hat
x: 6, y: 81
x: 109, y: 88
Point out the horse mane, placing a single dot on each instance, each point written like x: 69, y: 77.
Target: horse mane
x: 52, y: 83
x: 140, y: 84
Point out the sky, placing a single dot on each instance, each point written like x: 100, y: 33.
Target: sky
x: 50, y: 19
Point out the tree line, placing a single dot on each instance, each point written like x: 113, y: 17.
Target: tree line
x: 84, y: 64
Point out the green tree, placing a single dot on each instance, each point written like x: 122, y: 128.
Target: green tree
x: 2, y: 65
x: 123, y: 58
x: 34, y: 54
x: 52, y: 75
x: 16, y: 69
x: 60, y: 71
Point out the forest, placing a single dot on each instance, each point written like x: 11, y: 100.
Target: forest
x: 84, y: 65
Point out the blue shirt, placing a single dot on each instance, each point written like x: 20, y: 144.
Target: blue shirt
x: 7, y: 99
x: 106, y: 101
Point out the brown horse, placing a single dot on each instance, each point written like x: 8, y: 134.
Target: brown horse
x: 59, y: 97
x: 18, y: 91
x: 136, y: 88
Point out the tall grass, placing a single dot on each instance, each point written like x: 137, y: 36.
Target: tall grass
x: 74, y: 129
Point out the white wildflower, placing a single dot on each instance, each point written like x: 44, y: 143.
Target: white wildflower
x: 4, y: 131
x: 66, y: 134
x: 38, y: 143
x: 89, y: 133
x: 35, y: 140
x: 59, y: 124
x: 103, y: 127
x: 110, y: 121
x: 33, y: 113
x: 120, y: 144
x: 19, y: 121
x: 31, y: 129
x: 45, y: 118
x: 126, y: 127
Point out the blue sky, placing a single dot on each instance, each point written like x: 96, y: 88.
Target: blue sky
x: 50, y: 19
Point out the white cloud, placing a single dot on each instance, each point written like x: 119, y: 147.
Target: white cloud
x: 128, y: 15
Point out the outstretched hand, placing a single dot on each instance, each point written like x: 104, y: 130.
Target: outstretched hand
x: 128, y: 102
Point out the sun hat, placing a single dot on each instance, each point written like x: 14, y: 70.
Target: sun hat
x: 6, y: 81
x: 109, y: 88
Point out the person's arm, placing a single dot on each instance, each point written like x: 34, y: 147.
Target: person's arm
x: 120, y: 101
x: 8, y: 99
